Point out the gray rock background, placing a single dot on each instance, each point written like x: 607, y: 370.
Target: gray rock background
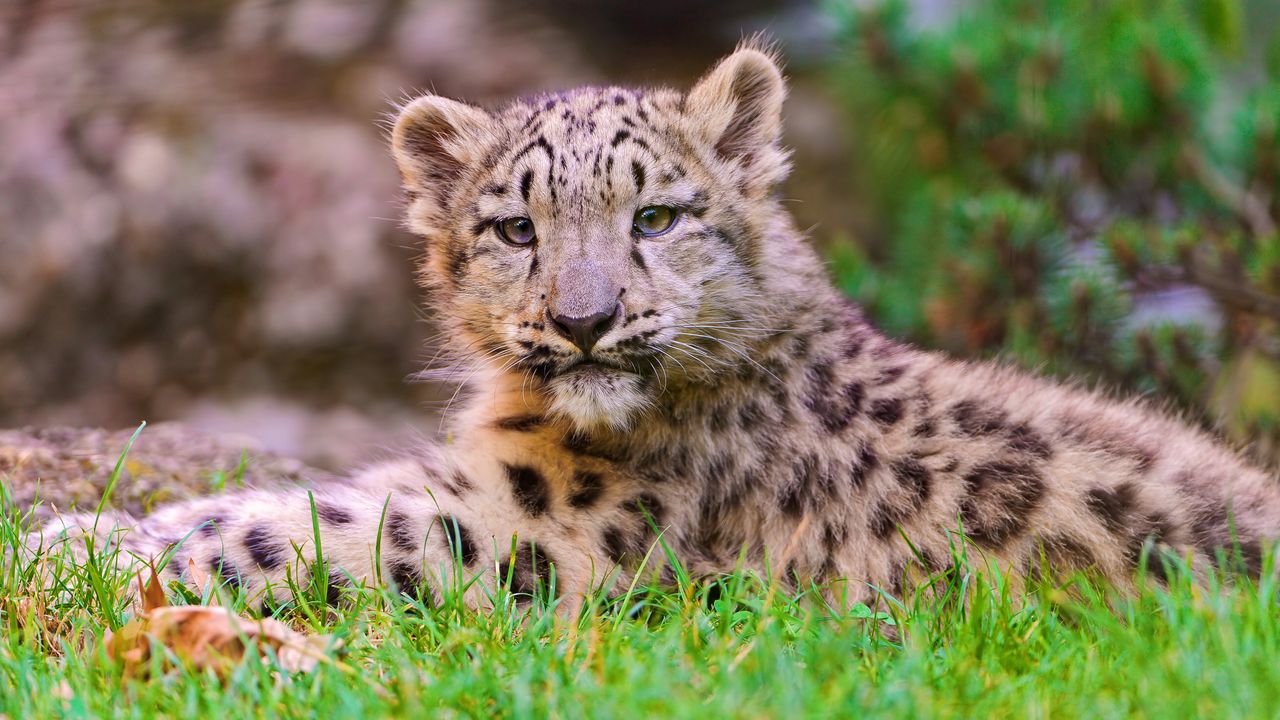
x: 199, y: 219
x: 66, y: 469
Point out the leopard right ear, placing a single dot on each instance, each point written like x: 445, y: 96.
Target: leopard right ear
x: 737, y: 109
x: 435, y: 138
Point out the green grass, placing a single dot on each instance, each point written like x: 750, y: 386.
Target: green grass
x: 731, y: 648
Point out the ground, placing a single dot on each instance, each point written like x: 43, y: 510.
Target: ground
x: 69, y: 468
x: 735, y: 648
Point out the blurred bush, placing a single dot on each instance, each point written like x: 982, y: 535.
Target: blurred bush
x: 1091, y: 187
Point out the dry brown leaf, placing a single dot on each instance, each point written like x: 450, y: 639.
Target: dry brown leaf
x: 152, y: 595
x: 211, y: 638
x: 199, y: 578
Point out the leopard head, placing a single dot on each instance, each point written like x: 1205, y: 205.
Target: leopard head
x: 607, y: 243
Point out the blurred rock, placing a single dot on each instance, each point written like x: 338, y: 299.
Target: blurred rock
x: 196, y: 200
x: 333, y: 438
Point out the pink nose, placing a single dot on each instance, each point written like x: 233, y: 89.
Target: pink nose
x: 584, y: 332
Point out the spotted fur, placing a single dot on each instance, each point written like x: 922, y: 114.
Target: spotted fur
x: 738, y: 404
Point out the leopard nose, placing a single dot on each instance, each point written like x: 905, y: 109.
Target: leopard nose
x: 584, y: 332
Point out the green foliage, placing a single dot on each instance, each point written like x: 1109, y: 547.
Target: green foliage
x: 738, y: 646
x: 1052, y: 180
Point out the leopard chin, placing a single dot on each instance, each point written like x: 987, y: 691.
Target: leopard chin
x: 593, y: 397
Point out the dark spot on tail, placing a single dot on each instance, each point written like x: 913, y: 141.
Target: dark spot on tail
x: 887, y: 411
x: 890, y: 375
x: 212, y: 525
x: 226, y: 571
x: 1215, y: 533
x: 528, y: 572
x: 400, y: 532
x: 1053, y: 556
x: 529, y: 488
x: 863, y: 466
x: 1112, y: 506
x: 459, y: 484
x: 332, y: 514
x: 912, y: 476
x: 408, y: 579
x: 791, y: 500
x: 177, y: 563
x: 582, y: 444
x: 1148, y: 532
x: 648, y: 508
x: 926, y: 428
x: 1000, y: 497
x: 587, y: 489
x: 898, y: 578
x: 1025, y: 440
x: 459, y: 539
x: 914, y: 487
x: 835, y: 409
x: 617, y: 544
x: 334, y: 587
x: 974, y: 419
x: 264, y: 548
x: 1245, y: 556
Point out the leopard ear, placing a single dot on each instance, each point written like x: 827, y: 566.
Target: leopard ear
x: 435, y: 138
x: 737, y: 108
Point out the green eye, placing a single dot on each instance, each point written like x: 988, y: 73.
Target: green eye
x: 516, y: 230
x: 653, y: 220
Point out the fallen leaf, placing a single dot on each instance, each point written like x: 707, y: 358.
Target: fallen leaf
x: 210, y: 638
x: 199, y: 578
x: 152, y: 594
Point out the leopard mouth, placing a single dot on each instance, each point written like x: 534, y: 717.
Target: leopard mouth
x: 544, y: 363
x: 584, y: 368
x: 595, y: 367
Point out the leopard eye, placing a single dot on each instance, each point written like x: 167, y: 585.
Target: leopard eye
x: 516, y: 230
x: 653, y: 220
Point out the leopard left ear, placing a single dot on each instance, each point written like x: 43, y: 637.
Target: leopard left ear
x: 737, y: 108
x: 434, y: 139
